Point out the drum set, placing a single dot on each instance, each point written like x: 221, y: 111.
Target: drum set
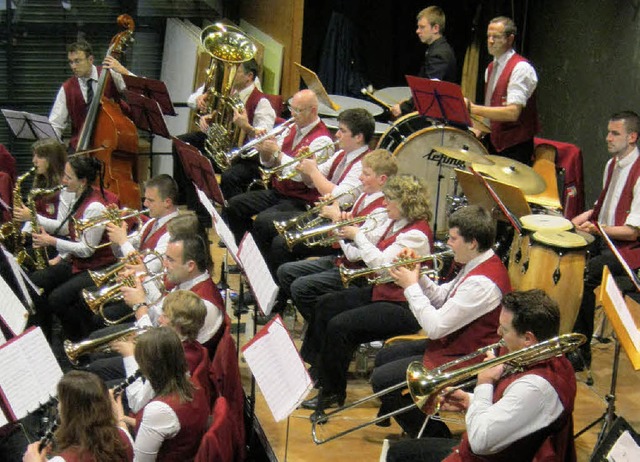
x: 546, y: 254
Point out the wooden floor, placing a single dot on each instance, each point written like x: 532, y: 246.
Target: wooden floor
x: 366, y: 444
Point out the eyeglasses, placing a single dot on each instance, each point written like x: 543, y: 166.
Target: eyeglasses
x: 496, y: 36
x: 296, y: 110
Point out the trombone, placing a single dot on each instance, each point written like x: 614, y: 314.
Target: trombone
x: 426, y: 386
x: 304, y: 153
x: 436, y: 259
x: 98, y: 345
x: 323, y: 235
x: 248, y: 150
x: 97, y: 299
x: 311, y: 218
x: 101, y: 277
x: 110, y: 215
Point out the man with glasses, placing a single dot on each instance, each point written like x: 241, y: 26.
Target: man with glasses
x: 510, y: 102
x: 75, y: 95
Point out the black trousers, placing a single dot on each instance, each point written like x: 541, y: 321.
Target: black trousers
x: 236, y: 179
x: 522, y: 152
x: 279, y: 253
x: 423, y: 450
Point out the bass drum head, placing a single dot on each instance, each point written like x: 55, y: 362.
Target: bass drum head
x: 416, y: 156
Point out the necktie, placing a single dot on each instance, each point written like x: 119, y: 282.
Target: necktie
x: 89, y: 91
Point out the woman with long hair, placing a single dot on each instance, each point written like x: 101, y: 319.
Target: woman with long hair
x: 171, y: 425
x: 68, y: 274
x: 88, y: 429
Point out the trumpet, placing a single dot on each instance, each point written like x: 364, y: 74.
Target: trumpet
x: 304, y: 153
x: 311, y: 218
x: 248, y: 150
x: 426, y: 385
x: 437, y: 260
x: 101, y: 277
x: 110, y: 215
x: 96, y: 300
x: 324, y: 234
x: 98, y: 345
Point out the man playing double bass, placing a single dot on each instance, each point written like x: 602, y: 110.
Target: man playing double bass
x: 76, y: 93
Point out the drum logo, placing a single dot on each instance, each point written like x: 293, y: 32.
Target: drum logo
x: 441, y: 159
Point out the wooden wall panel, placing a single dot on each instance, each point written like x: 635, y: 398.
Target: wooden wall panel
x: 282, y: 20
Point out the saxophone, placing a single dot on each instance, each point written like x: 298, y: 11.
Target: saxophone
x: 40, y: 253
x: 10, y: 234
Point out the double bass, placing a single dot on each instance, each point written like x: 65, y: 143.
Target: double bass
x: 110, y: 133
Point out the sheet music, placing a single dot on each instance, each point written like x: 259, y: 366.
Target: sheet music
x: 625, y: 449
x: 258, y: 275
x: 3, y: 340
x: 623, y: 311
x: 21, y: 277
x: 12, y: 311
x: 3, y: 419
x: 30, y: 372
x: 278, y: 369
x: 224, y: 233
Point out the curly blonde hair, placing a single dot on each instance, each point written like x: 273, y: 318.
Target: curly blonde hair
x: 412, y: 194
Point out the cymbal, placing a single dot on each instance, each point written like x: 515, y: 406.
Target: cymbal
x: 464, y: 155
x: 479, y: 124
x: 512, y: 172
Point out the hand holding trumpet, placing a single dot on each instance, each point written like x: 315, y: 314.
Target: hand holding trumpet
x: 403, y: 275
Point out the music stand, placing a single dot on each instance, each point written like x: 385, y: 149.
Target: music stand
x: 439, y: 100
x: 313, y: 83
x: 153, y: 89
x: 27, y: 126
x: 199, y: 170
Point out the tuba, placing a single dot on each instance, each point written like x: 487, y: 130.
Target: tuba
x: 228, y: 47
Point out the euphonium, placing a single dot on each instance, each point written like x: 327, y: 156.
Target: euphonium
x: 110, y: 215
x: 41, y: 257
x: 101, y: 277
x: 10, y: 234
x: 311, y: 218
x: 248, y: 150
x: 426, y: 385
x: 304, y: 153
x: 228, y: 47
x: 324, y: 234
x: 102, y: 344
x: 437, y: 259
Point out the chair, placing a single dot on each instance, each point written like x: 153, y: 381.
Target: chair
x: 218, y: 443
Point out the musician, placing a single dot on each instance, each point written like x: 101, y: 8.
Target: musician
x: 458, y: 317
x: 439, y: 58
x: 76, y: 93
x: 522, y: 416
x: 171, y: 426
x: 343, y: 320
x: 306, y: 280
x: 68, y: 274
x: 286, y: 195
x: 340, y: 174
x: 89, y: 429
x: 618, y: 210
x: 510, y: 100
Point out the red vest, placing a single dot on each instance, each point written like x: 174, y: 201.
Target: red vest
x: 553, y: 443
x: 101, y: 257
x: 149, y: 241
x: 193, y: 416
x: 71, y: 454
x: 197, y: 358
x: 507, y: 134
x: 391, y: 291
x: 207, y: 290
x: 76, y: 105
x: 336, y: 162
x: 47, y: 206
x: 478, y: 333
x: 297, y: 189
x: 630, y: 250
x: 252, y: 102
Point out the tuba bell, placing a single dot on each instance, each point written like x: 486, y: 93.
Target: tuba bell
x: 228, y: 47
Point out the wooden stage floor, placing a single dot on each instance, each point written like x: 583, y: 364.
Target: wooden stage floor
x: 366, y: 444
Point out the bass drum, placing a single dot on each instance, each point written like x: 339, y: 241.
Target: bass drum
x: 415, y: 155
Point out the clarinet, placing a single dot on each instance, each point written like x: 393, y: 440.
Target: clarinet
x: 48, y: 436
x: 118, y: 389
x: 48, y: 405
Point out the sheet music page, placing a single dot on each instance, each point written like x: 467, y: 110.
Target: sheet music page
x: 223, y: 231
x: 30, y: 372
x: 258, y: 275
x: 12, y: 310
x: 3, y: 419
x: 623, y: 311
x: 22, y: 278
x: 3, y: 340
x: 625, y: 449
x: 278, y: 369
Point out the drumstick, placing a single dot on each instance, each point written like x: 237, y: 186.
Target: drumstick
x: 512, y: 219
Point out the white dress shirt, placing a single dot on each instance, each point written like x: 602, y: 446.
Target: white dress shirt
x: 439, y: 314
x: 611, y: 199
x: 92, y: 236
x: 351, y: 180
x: 522, y: 83
x: 371, y: 228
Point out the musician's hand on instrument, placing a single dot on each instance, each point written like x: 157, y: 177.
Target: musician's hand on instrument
x: 33, y: 455
x: 395, y: 110
x: 42, y: 239
x: 55, y: 260
x: 406, y: 254
x: 136, y: 268
x: 133, y: 295
x: 124, y: 348
x: 241, y: 120
x: 203, y: 123
x: 346, y: 216
x: 307, y: 166
x: 116, y: 407
x: 21, y: 213
x: 112, y: 63
x: 117, y: 233
x: 491, y: 375
x: 348, y: 232
x: 332, y: 212
x: 201, y: 102
x: 405, y: 277
x: 455, y: 401
x: 268, y: 149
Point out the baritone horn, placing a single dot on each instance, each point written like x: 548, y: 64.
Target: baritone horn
x: 248, y: 150
x: 110, y: 215
x: 426, y: 386
x: 101, y: 277
x: 97, y: 299
x: 98, y: 345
